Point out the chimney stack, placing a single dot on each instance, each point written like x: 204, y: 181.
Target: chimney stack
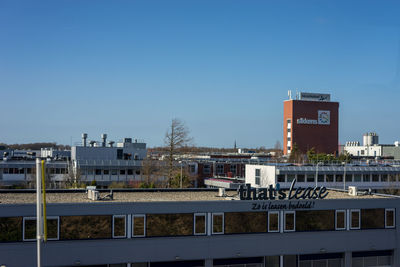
x: 84, y: 137
x: 103, y: 140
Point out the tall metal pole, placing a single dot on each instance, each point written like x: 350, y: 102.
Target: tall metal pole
x: 181, y: 172
x: 39, y: 230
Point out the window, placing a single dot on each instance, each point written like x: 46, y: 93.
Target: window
x: 372, y: 218
x: 217, y: 223
x: 207, y: 169
x: 138, y: 225
x: 119, y: 153
x: 192, y: 168
x: 130, y: 172
x: 29, y: 230
x: 375, y: 178
x: 290, y: 177
x: 329, y: 178
x: 85, y: 227
x: 357, y: 177
x: 390, y: 218
x: 366, y: 178
x: 176, y: 224
x: 257, y: 176
x: 119, y: 226
x: 106, y: 172
x: 321, y: 178
x: 300, y: 178
x: 273, y: 221
x: 349, y: 177
x: 310, y: 178
x: 122, y: 172
x: 384, y: 178
x: 339, y: 178
x: 90, y: 171
x: 200, y: 224
x: 233, y: 168
x: 245, y: 222
x: 340, y: 220
x: 281, y: 178
x: 220, y: 168
x: 98, y: 171
x: 355, y: 219
x: 10, y: 229
x: 114, y: 172
x: 315, y: 220
x: 289, y: 221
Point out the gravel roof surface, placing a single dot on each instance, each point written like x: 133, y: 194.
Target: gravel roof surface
x: 81, y: 197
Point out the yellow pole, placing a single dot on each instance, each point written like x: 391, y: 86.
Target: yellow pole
x: 44, y: 202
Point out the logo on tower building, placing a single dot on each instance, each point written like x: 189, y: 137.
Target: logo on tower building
x: 324, y: 117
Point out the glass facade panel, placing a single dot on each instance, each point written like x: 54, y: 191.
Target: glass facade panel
x: 30, y: 228
x: 301, y: 178
x: 357, y: 177
x: 290, y: 177
x: 245, y: 222
x: 85, y: 227
x: 138, y: 222
x: 340, y: 220
x: 200, y: 224
x: 339, y: 178
x: 10, y: 229
x: 179, y: 224
x: 390, y: 221
x: 316, y: 220
x: 289, y: 221
x: 272, y: 261
x: 273, y: 221
x: 372, y: 218
x: 218, y: 223
x: 311, y: 178
x: 119, y: 229
x: 281, y: 178
x: 355, y: 219
x: 329, y: 178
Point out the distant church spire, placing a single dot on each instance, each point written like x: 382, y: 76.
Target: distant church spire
x: 234, y: 146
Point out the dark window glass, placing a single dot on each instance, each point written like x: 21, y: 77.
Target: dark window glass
x: 321, y: 178
x: 366, y: 178
x: 389, y: 218
x: 130, y: 172
x: 85, y: 227
x: 218, y: 222
x: 329, y: 178
x: 355, y: 219
x: 30, y: 229
x: 10, y: 229
x: 316, y: 220
x: 349, y: 177
x: 372, y: 218
x: 119, y: 153
x: 340, y: 220
x: 272, y: 261
x: 310, y: 178
x: 281, y: 178
x: 206, y: 169
x: 245, y: 222
x: 273, y: 222
x: 289, y: 221
x: 106, y: 172
x: 122, y: 172
x: 98, y: 171
x: 339, y: 178
x: 300, y: 178
x: 200, y: 224
x: 29, y: 170
x: 290, y: 177
x: 138, y: 225
x: 384, y: 177
x: 169, y: 224
x: 119, y: 226
x: 375, y: 178
x: 357, y: 177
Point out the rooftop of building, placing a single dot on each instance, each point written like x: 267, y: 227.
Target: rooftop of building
x: 158, y: 195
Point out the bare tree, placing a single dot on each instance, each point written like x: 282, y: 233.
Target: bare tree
x: 177, y: 136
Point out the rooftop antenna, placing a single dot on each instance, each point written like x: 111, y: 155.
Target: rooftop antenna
x: 289, y: 94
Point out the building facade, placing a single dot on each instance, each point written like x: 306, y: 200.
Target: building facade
x: 149, y: 229
x: 311, y: 121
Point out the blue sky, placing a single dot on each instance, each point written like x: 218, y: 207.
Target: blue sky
x: 127, y: 68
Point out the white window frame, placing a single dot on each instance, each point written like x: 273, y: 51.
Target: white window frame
x: 277, y: 213
x: 212, y: 223
x: 394, y: 218
x: 133, y: 224
x: 359, y: 219
x: 118, y: 216
x: 294, y: 221
x: 257, y: 176
x: 34, y: 219
x: 345, y: 220
x: 205, y: 223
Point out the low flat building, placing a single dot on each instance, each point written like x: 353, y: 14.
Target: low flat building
x: 332, y: 176
x: 198, y: 228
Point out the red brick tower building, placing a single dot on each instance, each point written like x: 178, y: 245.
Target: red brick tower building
x: 311, y: 121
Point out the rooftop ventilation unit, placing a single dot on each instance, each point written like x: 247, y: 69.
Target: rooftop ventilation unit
x: 103, y: 140
x: 352, y: 190
x: 84, y: 137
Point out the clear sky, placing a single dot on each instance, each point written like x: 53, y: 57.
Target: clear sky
x: 127, y: 68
